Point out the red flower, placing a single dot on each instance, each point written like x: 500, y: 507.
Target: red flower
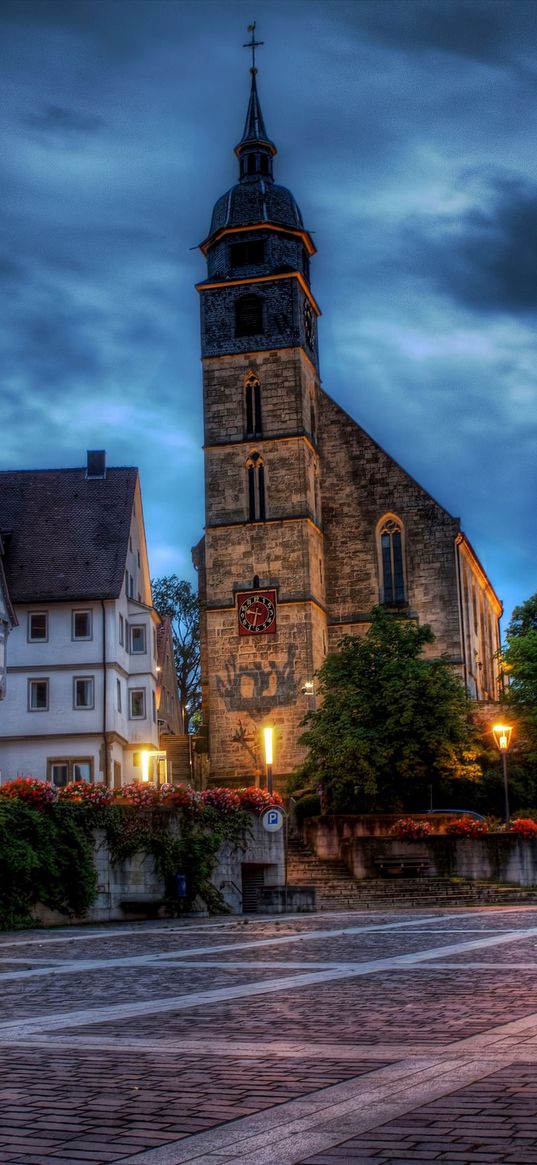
x: 408, y: 829
x: 524, y: 826
x: 467, y: 827
x: 258, y: 799
x: 32, y: 790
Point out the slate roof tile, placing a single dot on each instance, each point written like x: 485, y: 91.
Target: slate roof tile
x: 66, y: 537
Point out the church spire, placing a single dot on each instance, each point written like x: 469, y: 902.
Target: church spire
x: 255, y: 150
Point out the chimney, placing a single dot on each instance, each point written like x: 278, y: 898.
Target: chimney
x: 96, y: 465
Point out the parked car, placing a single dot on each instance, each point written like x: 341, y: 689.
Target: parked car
x: 460, y: 813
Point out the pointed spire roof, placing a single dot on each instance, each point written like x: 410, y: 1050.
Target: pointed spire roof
x: 254, y: 126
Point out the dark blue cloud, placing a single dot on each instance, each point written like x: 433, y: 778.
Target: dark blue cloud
x: 487, y: 258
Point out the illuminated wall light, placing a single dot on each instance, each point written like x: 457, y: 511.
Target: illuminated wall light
x: 268, y: 737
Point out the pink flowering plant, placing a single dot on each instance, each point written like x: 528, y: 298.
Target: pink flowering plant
x: 182, y: 797
x: 257, y: 799
x: 34, y: 792
x: 409, y: 829
x: 140, y: 793
x: 224, y: 800
x: 84, y: 793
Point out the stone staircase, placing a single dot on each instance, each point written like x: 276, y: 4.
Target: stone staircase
x: 336, y: 889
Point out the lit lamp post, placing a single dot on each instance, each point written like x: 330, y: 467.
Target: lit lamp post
x: 268, y: 733
x: 502, y: 740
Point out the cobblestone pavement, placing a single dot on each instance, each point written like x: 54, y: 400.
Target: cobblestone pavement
x: 322, y: 1040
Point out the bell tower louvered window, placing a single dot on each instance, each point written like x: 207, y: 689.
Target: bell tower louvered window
x: 255, y: 470
x: 392, y: 572
x: 252, y: 404
x: 249, y: 315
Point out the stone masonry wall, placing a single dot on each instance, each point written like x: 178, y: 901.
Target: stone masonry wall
x: 360, y: 484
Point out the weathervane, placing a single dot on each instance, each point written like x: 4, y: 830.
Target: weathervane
x: 253, y: 44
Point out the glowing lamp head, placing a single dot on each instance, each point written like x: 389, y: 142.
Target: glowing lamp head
x: 502, y: 736
x: 145, y: 764
x: 268, y: 734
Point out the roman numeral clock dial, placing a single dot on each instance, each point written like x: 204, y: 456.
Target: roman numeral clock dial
x: 257, y: 612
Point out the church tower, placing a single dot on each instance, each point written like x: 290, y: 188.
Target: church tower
x: 261, y: 562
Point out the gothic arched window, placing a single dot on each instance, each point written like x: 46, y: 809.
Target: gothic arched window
x: 252, y: 403
x: 255, y: 470
x: 249, y: 315
x: 392, y: 571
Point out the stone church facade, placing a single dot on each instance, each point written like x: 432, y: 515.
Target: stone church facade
x: 309, y: 523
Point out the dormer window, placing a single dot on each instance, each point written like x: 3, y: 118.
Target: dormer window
x: 249, y: 315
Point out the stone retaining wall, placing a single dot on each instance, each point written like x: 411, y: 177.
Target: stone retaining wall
x: 498, y: 857
x: 132, y: 889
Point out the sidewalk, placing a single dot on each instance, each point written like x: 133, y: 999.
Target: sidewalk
x: 314, y: 1040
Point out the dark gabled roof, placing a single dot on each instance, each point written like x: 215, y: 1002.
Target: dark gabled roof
x: 67, y: 537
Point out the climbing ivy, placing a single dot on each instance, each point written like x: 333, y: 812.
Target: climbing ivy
x: 47, y: 841
x: 46, y: 855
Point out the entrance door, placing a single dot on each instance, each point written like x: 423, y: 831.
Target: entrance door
x: 253, y: 879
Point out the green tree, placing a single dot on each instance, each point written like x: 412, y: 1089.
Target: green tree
x: 391, y: 722
x: 519, y: 659
x: 174, y: 598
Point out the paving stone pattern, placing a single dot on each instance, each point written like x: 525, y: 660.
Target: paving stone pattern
x: 491, y: 1122
x: 431, y: 1059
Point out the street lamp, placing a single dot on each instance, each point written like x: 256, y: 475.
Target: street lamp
x: 268, y: 733
x: 502, y: 740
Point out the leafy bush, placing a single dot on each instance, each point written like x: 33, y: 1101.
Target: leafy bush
x: 307, y: 806
x: 46, y: 855
x: 408, y: 829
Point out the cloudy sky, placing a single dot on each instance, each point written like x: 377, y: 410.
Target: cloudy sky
x: 406, y: 130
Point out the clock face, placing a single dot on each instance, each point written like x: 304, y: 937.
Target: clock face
x: 309, y: 325
x: 257, y: 612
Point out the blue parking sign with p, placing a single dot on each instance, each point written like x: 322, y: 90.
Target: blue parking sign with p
x: 272, y: 820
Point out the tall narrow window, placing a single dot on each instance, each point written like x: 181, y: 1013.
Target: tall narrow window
x: 249, y: 315
x: 391, y: 561
x: 256, y: 488
x: 37, y: 626
x: 252, y: 401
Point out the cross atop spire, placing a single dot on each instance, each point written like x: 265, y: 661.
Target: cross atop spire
x: 255, y: 148
x: 253, y: 44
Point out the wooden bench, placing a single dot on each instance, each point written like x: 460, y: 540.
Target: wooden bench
x: 396, y: 867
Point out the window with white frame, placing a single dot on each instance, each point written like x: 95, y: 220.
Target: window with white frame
x: 118, y: 695
x: 38, y: 695
x: 121, y: 631
x: 81, y: 627
x: 37, y: 626
x: 137, y: 638
x: 83, y: 692
x: 136, y: 703
x: 62, y: 770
